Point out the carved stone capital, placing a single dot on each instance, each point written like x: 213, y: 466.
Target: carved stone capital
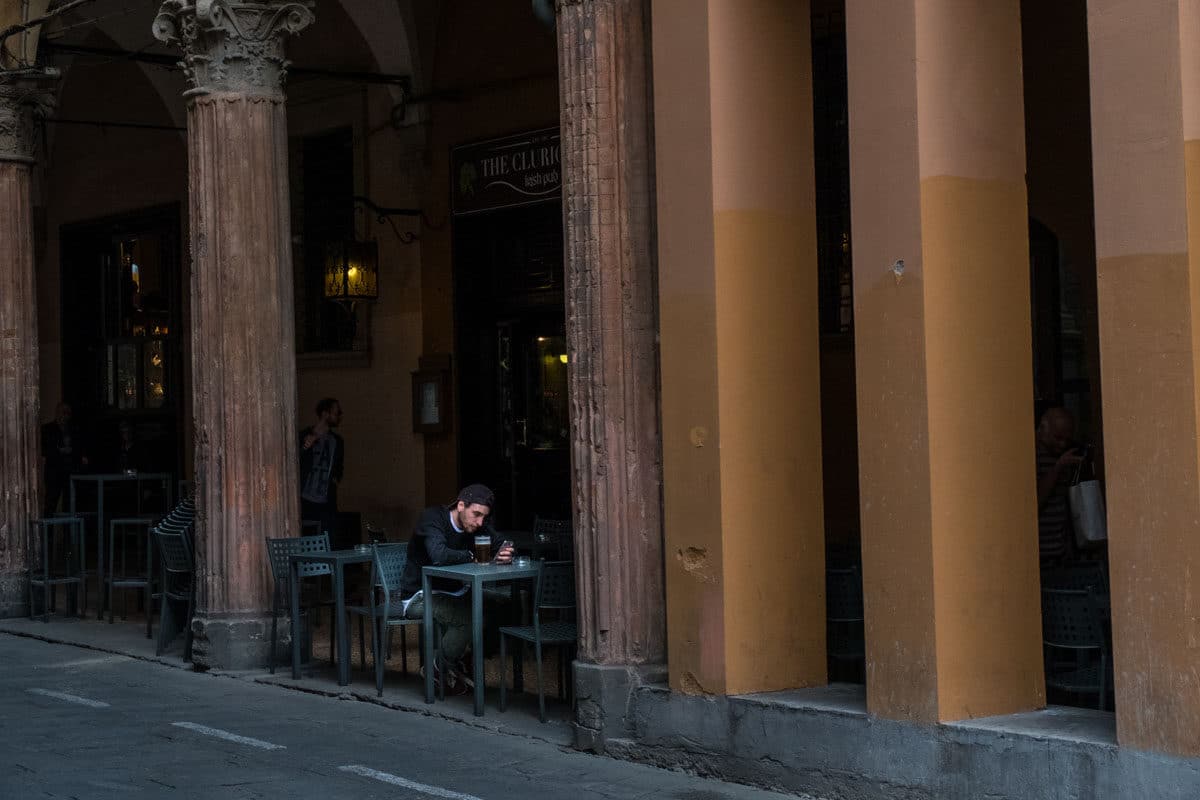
x: 230, y: 45
x: 25, y: 97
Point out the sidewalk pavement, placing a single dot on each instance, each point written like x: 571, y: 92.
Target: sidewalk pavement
x: 402, y: 693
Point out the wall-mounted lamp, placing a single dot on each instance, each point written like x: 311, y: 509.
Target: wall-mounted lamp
x: 351, y: 271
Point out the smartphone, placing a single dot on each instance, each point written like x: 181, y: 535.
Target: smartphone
x: 504, y: 544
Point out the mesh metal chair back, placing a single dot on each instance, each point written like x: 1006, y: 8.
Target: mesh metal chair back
x: 556, y: 585
x: 843, y: 595
x: 176, y: 559
x: 558, y: 531
x: 1078, y: 577
x: 1071, y: 619
x: 390, y: 561
x: 279, y: 551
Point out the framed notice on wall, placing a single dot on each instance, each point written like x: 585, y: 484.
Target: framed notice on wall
x: 431, y: 400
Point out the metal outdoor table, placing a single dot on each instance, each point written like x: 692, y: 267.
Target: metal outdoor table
x: 337, y: 561
x: 100, y: 479
x: 476, y: 576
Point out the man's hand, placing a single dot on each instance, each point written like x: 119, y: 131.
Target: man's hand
x: 1071, y: 458
x: 505, y: 555
x: 308, y: 441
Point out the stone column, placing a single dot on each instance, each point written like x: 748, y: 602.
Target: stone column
x: 243, y: 364
x: 21, y: 98
x: 737, y: 243
x: 608, y: 188
x: 1145, y: 81
x: 943, y: 354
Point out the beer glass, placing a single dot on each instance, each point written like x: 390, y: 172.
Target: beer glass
x: 483, y: 549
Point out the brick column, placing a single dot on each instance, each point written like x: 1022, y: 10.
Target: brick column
x: 608, y: 179
x: 243, y: 363
x: 20, y: 99
x: 1145, y: 79
x: 943, y: 354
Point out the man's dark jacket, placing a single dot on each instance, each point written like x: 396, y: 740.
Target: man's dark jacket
x: 434, y: 541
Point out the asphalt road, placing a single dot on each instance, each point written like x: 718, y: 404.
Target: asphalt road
x: 83, y: 724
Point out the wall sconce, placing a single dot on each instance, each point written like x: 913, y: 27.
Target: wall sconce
x: 351, y: 271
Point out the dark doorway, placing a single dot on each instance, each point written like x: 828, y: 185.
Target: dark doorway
x: 512, y: 370
x: 121, y: 334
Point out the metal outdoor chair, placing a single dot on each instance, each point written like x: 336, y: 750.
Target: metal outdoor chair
x: 178, y: 589
x: 1083, y: 575
x: 278, y: 553
x: 1075, y: 645
x: 844, y: 618
x: 557, y: 535
x: 555, y: 592
x: 181, y: 519
x: 122, y: 529
x: 385, y: 609
x: 42, y: 572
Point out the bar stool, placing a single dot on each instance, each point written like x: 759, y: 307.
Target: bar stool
x: 41, y: 539
x: 122, y: 528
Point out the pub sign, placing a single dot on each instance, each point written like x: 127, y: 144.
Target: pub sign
x: 511, y: 171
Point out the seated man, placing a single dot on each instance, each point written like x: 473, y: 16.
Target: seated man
x: 446, y: 535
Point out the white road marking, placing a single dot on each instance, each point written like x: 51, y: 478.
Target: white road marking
x: 70, y: 698
x: 230, y: 737
x: 395, y: 780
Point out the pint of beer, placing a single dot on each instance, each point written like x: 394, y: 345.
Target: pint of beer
x: 483, y: 549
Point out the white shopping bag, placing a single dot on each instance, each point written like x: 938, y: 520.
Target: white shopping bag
x: 1088, y: 515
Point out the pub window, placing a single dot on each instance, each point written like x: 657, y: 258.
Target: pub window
x: 322, y: 201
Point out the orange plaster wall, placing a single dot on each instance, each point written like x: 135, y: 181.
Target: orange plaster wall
x: 893, y: 432
x: 1147, y: 222
x: 740, y: 365
x: 984, y: 513
x: 943, y: 353
x: 974, y: 221
x: 767, y: 348
x: 688, y: 342
x: 1146, y: 326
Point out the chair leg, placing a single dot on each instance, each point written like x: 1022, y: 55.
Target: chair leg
x: 503, y: 673
x: 403, y: 649
x: 362, y: 645
x: 537, y: 652
x: 187, y: 639
x: 274, y: 629
x: 379, y: 635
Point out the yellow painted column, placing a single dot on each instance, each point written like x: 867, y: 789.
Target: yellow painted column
x: 1145, y: 80
x: 739, y: 345
x: 943, y: 357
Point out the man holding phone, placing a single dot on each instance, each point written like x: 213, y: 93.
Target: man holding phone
x: 451, y: 535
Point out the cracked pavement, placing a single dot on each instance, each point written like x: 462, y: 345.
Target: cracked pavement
x: 77, y: 724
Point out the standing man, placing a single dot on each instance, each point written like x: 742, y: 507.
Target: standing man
x: 446, y: 535
x: 1056, y: 465
x: 322, y: 456
x: 62, y: 454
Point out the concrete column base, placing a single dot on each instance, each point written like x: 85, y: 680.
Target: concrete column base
x: 234, y: 641
x: 14, y: 594
x: 604, y: 701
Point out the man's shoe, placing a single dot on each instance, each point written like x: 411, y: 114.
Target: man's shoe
x: 464, y: 673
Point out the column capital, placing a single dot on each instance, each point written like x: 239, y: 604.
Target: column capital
x: 24, y: 96
x: 232, y: 46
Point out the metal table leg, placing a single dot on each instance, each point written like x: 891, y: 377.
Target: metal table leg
x: 294, y: 588
x: 427, y: 626
x: 477, y: 641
